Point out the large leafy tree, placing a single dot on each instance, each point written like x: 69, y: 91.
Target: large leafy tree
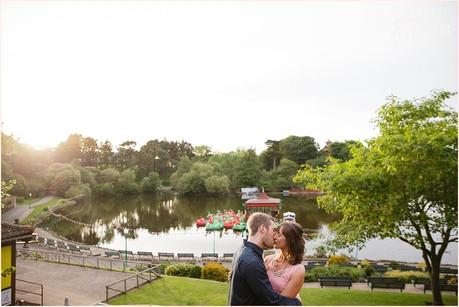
x: 89, y: 151
x: 403, y: 184
x: 299, y: 148
x: 70, y: 149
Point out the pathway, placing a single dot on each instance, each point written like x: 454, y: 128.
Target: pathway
x: 20, y: 212
x: 82, y: 286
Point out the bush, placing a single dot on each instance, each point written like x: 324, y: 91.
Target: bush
x: 394, y: 265
x: 105, y: 189
x: 108, y: 175
x: 20, y: 188
x: 369, y: 270
x: 196, y: 271
x: 336, y: 259
x: 183, y: 270
x: 163, y: 266
x: 406, y: 276
x: 151, y: 183
x: 215, y: 271
x: 355, y: 274
x: 77, y: 190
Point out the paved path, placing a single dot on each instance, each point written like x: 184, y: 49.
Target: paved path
x: 82, y: 286
x: 22, y: 211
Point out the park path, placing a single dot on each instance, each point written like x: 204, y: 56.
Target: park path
x: 20, y: 212
x: 82, y: 286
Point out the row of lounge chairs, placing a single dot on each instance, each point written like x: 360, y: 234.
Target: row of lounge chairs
x: 163, y: 256
x: 65, y: 246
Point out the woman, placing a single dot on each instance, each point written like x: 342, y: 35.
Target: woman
x: 285, y: 271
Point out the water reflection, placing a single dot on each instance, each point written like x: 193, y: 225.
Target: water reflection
x: 165, y: 222
x: 160, y: 214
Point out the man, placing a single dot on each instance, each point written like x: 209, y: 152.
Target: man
x: 249, y: 281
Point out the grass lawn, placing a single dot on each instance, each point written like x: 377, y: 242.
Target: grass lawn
x: 187, y: 291
x: 37, y: 211
x: 28, y: 201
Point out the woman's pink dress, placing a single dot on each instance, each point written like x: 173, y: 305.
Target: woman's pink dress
x: 279, y: 278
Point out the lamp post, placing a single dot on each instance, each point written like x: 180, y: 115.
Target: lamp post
x: 125, y: 231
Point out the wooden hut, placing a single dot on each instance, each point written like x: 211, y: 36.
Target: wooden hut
x: 11, y: 233
x: 263, y: 203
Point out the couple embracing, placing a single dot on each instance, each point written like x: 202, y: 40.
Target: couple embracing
x: 275, y: 280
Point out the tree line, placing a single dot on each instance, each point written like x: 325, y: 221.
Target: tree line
x: 84, y: 165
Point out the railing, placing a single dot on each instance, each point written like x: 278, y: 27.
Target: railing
x: 30, y: 292
x: 83, y: 260
x: 145, y: 276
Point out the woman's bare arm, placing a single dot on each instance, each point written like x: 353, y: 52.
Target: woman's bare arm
x: 295, y: 283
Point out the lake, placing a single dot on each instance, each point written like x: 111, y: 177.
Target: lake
x: 165, y: 222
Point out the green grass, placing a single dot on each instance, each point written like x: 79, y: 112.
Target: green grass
x: 39, y: 210
x: 187, y: 291
x: 28, y: 201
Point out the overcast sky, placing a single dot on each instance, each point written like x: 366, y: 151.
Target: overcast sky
x: 226, y: 74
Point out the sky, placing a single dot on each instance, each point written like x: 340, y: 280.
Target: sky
x: 227, y: 74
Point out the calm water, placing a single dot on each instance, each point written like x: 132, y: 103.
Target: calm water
x: 166, y: 223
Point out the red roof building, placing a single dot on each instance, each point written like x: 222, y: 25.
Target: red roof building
x: 263, y: 203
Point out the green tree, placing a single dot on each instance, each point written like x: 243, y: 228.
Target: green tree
x: 272, y: 155
x: 299, y: 148
x: 341, y: 150
x: 21, y: 187
x: 126, y: 183
x: 65, y: 179
x: 151, y: 183
x: 126, y: 157
x: 403, y: 184
x: 89, y: 151
x: 106, y: 154
x: 108, y: 175
x: 202, y: 153
x: 70, y: 149
x: 247, y: 169
x: 217, y: 184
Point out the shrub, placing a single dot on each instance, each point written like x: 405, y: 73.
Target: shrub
x: 394, y: 265
x: 21, y: 187
x: 406, y: 276
x: 184, y: 270
x: 105, y: 189
x: 196, y: 271
x: 336, y: 259
x: 162, y: 267
x: 369, y: 270
x: 77, y: 190
x: 215, y: 271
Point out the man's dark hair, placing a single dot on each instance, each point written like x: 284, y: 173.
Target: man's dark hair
x: 256, y: 220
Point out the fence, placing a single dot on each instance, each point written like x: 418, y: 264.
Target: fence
x: 85, y: 261
x: 145, y: 277
x: 40, y: 294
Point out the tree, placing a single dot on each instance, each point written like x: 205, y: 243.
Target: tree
x: 202, y: 152
x: 403, y: 184
x: 89, y: 151
x: 70, y: 149
x: 106, y: 154
x: 126, y: 183
x: 126, y: 155
x: 299, y: 148
x: 341, y: 150
x: 151, y: 183
x: 272, y: 155
x: 21, y: 187
x: 248, y: 169
x: 108, y: 175
x: 217, y: 184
